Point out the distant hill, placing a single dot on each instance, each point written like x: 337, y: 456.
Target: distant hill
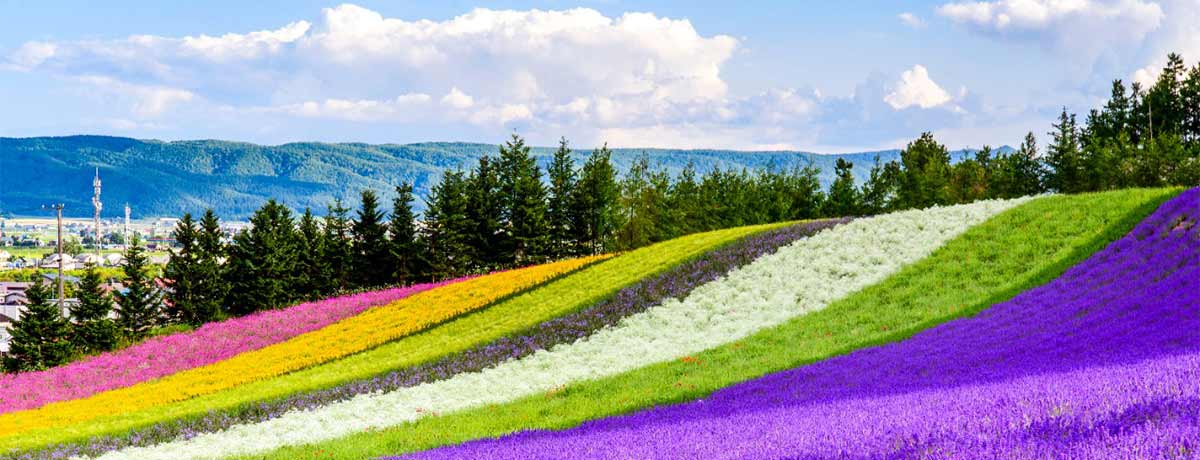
x: 169, y: 178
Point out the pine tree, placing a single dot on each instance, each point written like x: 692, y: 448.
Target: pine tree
x: 93, y: 331
x: 1063, y: 156
x: 372, y: 257
x: 182, y: 273
x: 211, y: 287
x: 484, y: 216
x: 313, y: 274
x: 880, y: 190
x: 844, y: 198
x: 926, y: 176
x: 594, y: 204
x: 685, y: 214
x: 337, y: 245
x: 41, y: 337
x: 139, y: 306
x: 1022, y: 171
x: 558, y: 214
x: 405, y: 248
x: 524, y: 204
x: 262, y: 262
x: 446, y: 232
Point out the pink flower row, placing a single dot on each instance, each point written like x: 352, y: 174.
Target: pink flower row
x: 168, y: 354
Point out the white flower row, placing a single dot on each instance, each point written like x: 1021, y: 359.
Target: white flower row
x: 803, y: 277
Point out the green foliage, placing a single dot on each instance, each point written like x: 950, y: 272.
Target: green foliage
x: 405, y: 248
x: 484, y: 215
x: 558, y: 211
x: 93, y: 331
x: 261, y: 269
x: 926, y: 177
x: 41, y: 338
x: 139, y: 307
x: 448, y: 230
x: 594, y: 204
x: 523, y: 205
x: 312, y: 265
x: 844, y: 198
x: 337, y: 245
x: 372, y: 259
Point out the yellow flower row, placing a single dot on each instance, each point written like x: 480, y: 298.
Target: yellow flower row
x: 372, y: 328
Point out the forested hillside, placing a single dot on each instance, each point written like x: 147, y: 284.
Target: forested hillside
x: 169, y: 178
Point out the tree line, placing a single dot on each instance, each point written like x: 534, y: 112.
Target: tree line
x: 504, y: 212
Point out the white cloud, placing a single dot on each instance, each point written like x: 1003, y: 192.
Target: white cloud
x: 245, y: 46
x: 1086, y: 29
x: 911, y: 20
x: 147, y: 101
x: 1180, y: 34
x: 634, y: 79
x: 458, y: 99
x: 915, y: 88
x: 403, y: 107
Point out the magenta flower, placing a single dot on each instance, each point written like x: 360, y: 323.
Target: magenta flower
x: 165, y: 355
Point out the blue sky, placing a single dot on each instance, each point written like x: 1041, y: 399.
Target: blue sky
x: 820, y: 76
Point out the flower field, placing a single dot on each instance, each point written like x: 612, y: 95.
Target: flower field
x: 372, y: 327
x: 1044, y: 327
x: 1103, y: 362
x: 172, y: 353
x: 570, y: 293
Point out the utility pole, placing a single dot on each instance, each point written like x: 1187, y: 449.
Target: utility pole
x: 125, y: 234
x: 58, y: 208
x: 98, y: 205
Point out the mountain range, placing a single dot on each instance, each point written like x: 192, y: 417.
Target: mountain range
x: 159, y: 178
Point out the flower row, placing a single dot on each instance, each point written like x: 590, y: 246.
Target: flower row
x: 1100, y: 363
x: 355, y: 334
x: 798, y: 279
x: 675, y: 283
x: 165, y: 355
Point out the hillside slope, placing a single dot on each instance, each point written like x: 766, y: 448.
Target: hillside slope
x: 1100, y: 363
x: 169, y: 178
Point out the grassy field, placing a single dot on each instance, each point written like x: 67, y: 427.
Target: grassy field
x: 1020, y: 249
x: 557, y: 298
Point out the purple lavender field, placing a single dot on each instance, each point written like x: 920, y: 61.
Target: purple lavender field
x: 1103, y: 362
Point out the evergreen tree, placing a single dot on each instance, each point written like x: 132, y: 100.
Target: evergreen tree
x: 803, y: 192
x: 1018, y: 174
x: 139, y: 306
x: 1190, y: 95
x: 558, y: 213
x: 484, y: 216
x: 312, y: 265
x: 844, y: 198
x: 879, y: 192
x: 40, y: 339
x: 594, y: 204
x: 684, y: 211
x: 262, y: 265
x: 93, y: 331
x: 181, y: 275
x: 372, y: 259
x: 1063, y: 156
x: 643, y: 205
x: 405, y: 248
x: 211, y: 288
x: 969, y: 178
x: 524, y: 204
x: 337, y: 245
x: 447, y: 228
x: 926, y: 175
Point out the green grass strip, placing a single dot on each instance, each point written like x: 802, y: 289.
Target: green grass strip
x: 1017, y: 250
x: 556, y: 298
